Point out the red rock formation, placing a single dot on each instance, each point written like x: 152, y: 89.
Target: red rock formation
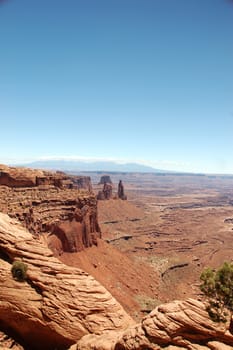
x: 106, y: 192
x: 79, y: 232
x: 52, y: 204
x: 179, y: 325
x: 184, y: 324
x: 82, y: 182
x: 121, y: 192
x: 69, y: 215
x: 7, y: 342
x: 18, y: 177
x: 56, y: 305
x: 105, y: 179
x: 26, y: 177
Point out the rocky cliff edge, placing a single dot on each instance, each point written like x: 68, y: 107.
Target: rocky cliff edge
x: 56, y: 305
x: 59, y: 205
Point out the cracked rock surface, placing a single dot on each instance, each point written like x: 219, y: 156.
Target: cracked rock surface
x: 56, y: 305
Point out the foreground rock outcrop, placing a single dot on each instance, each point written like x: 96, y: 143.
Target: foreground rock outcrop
x: 179, y: 325
x: 57, y: 304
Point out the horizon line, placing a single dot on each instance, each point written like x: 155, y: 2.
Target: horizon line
x: 159, y: 165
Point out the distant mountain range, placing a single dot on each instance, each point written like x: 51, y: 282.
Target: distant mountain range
x: 79, y: 165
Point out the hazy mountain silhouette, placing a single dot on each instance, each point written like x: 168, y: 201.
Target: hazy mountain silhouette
x: 79, y: 165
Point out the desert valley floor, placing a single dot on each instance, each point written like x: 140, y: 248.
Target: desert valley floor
x: 147, y: 251
x: 156, y: 244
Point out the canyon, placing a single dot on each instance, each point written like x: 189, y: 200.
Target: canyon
x: 146, y: 252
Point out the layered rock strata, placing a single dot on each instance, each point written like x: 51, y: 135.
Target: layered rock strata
x: 26, y: 177
x: 56, y: 305
x: 54, y: 203
x: 106, y: 192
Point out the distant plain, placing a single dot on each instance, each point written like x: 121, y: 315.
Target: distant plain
x: 170, y: 228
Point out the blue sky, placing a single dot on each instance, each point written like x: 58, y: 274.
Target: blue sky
x: 133, y: 80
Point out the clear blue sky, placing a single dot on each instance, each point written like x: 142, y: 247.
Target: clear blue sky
x: 137, y: 80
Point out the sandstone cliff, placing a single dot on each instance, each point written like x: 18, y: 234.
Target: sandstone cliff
x: 26, y: 177
x: 179, y: 325
x: 54, y: 203
x: 106, y: 192
x: 57, y: 304
x: 105, y: 179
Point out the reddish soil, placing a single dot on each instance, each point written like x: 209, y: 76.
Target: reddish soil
x: 156, y: 243
x: 125, y: 279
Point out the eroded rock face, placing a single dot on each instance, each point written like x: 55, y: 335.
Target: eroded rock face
x: 80, y: 231
x: 53, y: 203
x: 7, y: 342
x: 18, y: 177
x: 174, y: 326
x: 26, y: 177
x: 57, y: 305
x: 180, y: 323
x: 105, y: 179
x: 121, y: 191
x: 106, y: 192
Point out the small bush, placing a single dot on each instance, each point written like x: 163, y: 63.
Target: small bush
x: 19, y: 270
x: 217, y: 286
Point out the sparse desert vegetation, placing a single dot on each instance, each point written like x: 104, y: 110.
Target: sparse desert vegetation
x: 149, y: 254
x: 175, y: 224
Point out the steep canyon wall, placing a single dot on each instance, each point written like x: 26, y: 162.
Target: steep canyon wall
x: 62, y: 206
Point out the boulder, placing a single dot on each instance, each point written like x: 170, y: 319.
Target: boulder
x: 176, y: 325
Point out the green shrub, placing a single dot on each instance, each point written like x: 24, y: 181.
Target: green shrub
x: 19, y: 270
x: 217, y: 285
